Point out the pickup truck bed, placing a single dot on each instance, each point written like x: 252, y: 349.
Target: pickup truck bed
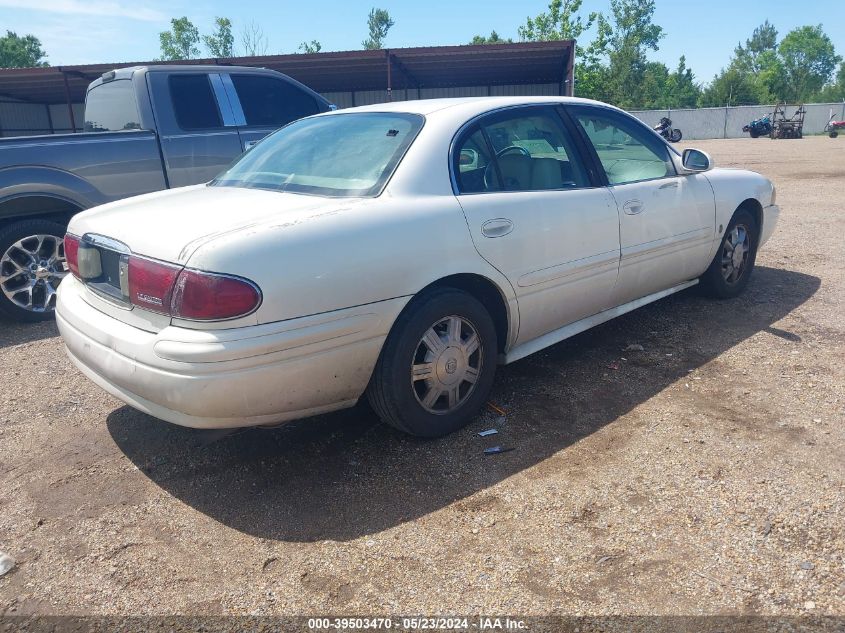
x: 147, y: 129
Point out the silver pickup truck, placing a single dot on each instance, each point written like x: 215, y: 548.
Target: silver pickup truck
x: 146, y: 129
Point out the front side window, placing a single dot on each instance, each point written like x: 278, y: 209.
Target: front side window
x: 272, y: 102
x: 194, y: 103
x: 528, y: 150
x: 334, y: 155
x: 627, y: 151
x: 111, y: 107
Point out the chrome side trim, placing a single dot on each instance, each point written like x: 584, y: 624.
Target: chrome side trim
x: 575, y: 269
x: 567, y: 331
x: 667, y: 246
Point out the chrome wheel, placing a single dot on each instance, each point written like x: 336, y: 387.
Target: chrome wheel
x: 735, y: 251
x: 446, y: 365
x: 30, y: 272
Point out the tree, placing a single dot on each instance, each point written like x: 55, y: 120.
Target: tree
x: 311, y: 47
x: 221, y: 42
x: 181, y: 41
x: 732, y: 86
x: 759, y: 48
x: 21, y: 52
x: 493, y: 38
x: 253, y: 40
x: 809, y: 60
x: 836, y: 90
x: 562, y: 22
x: 379, y: 23
x: 630, y: 35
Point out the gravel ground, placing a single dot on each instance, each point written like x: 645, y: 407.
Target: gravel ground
x: 704, y: 474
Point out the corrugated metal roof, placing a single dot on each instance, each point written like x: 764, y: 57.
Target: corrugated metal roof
x: 426, y: 67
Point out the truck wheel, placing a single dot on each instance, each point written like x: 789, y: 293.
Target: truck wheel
x: 32, y: 263
x: 437, y: 365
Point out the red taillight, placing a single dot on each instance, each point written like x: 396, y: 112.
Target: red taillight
x: 72, y: 254
x: 207, y: 296
x: 151, y: 283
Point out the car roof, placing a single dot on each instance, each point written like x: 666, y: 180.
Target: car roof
x: 468, y: 106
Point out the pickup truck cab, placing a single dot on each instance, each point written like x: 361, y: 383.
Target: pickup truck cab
x: 147, y: 129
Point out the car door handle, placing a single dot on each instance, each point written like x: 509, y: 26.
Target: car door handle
x: 497, y: 227
x: 633, y: 207
x: 669, y: 185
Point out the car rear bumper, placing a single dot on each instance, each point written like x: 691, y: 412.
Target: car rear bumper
x: 227, y: 378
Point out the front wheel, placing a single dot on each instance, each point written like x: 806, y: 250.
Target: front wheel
x: 834, y: 134
x: 675, y: 135
x: 437, y: 365
x: 32, y: 263
x: 754, y: 133
x: 731, y: 268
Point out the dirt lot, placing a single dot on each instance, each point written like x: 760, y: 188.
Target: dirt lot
x: 704, y: 474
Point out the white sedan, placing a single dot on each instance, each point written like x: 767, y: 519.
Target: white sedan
x: 400, y: 250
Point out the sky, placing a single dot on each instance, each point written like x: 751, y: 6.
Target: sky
x: 105, y: 31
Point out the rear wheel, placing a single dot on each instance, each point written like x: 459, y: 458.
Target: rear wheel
x: 754, y: 133
x: 32, y: 264
x: 675, y: 135
x: 731, y: 268
x: 437, y: 365
x: 834, y: 134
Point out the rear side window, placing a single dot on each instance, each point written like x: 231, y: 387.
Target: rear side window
x: 193, y: 102
x: 523, y: 149
x: 271, y: 102
x: 111, y: 107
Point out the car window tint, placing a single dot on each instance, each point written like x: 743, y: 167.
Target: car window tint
x: 534, y: 152
x: 627, y: 153
x: 272, y: 102
x: 193, y: 102
x: 111, y: 106
x: 474, y: 171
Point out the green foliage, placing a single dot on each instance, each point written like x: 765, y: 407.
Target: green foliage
x: 493, y: 38
x: 379, y: 23
x: 311, y: 47
x: 21, y: 52
x: 220, y: 43
x: 836, y: 90
x: 181, y: 41
x: 562, y: 22
x: 809, y: 60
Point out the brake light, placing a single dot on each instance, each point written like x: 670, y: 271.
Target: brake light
x: 151, y: 283
x: 71, y: 243
x: 209, y: 296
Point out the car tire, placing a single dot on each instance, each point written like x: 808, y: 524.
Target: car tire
x: 25, y: 260
x: 729, y: 272
x: 430, y: 379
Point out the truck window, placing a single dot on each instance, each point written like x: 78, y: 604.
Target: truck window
x: 193, y: 102
x: 272, y: 102
x: 111, y: 106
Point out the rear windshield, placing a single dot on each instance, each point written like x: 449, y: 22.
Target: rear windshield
x: 111, y: 107
x: 337, y: 155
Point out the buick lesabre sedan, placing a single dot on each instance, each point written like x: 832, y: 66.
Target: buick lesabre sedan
x: 400, y: 251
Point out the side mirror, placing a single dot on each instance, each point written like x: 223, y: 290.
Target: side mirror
x: 696, y: 160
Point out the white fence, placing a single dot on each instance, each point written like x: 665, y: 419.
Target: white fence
x: 705, y: 123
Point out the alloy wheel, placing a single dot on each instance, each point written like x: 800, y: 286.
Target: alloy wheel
x: 31, y: 270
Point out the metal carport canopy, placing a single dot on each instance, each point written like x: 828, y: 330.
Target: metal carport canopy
x: 398, y: 68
